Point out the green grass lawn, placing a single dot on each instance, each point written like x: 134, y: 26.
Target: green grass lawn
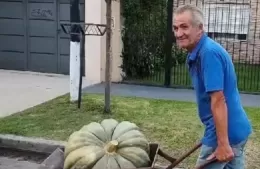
x: 248, y: 77
x: 174, y: 125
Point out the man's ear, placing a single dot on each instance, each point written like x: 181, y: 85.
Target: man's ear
x: 201, y: 27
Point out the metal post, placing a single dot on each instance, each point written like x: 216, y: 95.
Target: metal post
x: 168, y: 46
x: 75, y: 18
x: 82, y: 55
x: 74, y: 51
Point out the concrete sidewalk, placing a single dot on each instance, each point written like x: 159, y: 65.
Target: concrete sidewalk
x: 21, y: 90
x: 162, y: 93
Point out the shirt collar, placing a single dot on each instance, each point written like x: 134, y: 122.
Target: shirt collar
x: 192, y: 55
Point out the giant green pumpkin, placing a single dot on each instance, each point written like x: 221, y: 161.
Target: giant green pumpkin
x: 107, y: 145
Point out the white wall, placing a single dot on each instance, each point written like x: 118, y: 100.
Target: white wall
x: 93, y: 43
x: 95, y: 46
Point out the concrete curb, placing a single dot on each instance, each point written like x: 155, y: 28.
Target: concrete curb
x: 38, y: 145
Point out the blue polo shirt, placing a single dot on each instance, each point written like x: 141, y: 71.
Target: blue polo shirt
x: 211, y: 69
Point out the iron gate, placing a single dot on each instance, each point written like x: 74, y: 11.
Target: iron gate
x: 150, y: 57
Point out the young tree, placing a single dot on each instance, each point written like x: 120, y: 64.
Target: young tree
x: 108, y: 56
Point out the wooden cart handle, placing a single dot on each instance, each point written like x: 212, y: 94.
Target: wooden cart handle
x: 179, y: 160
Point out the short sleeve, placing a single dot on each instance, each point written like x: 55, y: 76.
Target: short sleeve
x: 212, y: 69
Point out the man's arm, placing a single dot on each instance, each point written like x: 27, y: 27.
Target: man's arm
x: 219, y: 111
x: 213, y: 77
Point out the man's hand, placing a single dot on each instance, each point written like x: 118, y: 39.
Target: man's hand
x: 222, y: 154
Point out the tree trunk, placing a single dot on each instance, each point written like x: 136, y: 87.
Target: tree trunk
x: 108, y: 57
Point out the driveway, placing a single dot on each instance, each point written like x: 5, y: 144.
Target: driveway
x: 21, y: 90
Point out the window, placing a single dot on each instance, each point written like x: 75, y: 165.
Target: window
x: 227, y: 20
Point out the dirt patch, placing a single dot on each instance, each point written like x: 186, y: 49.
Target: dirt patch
x: 9, y: 163
x: 23, y: 155
x: 252, y: 155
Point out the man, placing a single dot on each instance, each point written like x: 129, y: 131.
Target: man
x: 227, y: 127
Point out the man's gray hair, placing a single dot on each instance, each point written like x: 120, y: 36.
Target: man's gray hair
x: 197, y: 14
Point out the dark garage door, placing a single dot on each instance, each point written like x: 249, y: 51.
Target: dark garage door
x: 31, y: 37
x: 12, y: 36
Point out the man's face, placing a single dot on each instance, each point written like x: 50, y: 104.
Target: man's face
x: 185, y: 32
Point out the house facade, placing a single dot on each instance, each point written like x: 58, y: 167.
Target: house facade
x: 32, y: 39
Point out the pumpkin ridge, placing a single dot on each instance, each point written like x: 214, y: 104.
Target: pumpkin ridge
x: 103, y: 160
x: 92, y: 128
x: 71, y: 164
x: 81, y: 139
x: 117, y: 161
x: 77, y: 155
x: 106, y: 124
x: 92, y: 164
x: 89, y: 141
x: 85, y: 135
x: 113, y: 132
x: 122, y: 128
x: 124, y: 163
x: 71, y: 148
x: 94, y: 140
x: 76, y: 162
x: 110, y: 159
x: 134, y: 155
x: 139, y: 142
x: 130, y: 134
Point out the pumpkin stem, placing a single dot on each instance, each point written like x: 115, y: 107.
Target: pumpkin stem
x: 112, y: 146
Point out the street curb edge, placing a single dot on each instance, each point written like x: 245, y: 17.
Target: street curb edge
x: 33, y: 144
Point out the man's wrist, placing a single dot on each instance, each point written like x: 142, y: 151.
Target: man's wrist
x: 223, y: 142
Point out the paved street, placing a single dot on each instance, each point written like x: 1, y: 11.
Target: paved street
x: 162, y: 93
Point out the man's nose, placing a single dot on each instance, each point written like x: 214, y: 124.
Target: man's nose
x: 178, y: 33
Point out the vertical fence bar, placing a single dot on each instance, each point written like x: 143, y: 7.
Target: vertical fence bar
x: 246, y: 78
x: 255, y: 74
x: 168, y: 46
x: 257, y: 64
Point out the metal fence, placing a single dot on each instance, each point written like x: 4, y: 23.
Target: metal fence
x: 150, y: 55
